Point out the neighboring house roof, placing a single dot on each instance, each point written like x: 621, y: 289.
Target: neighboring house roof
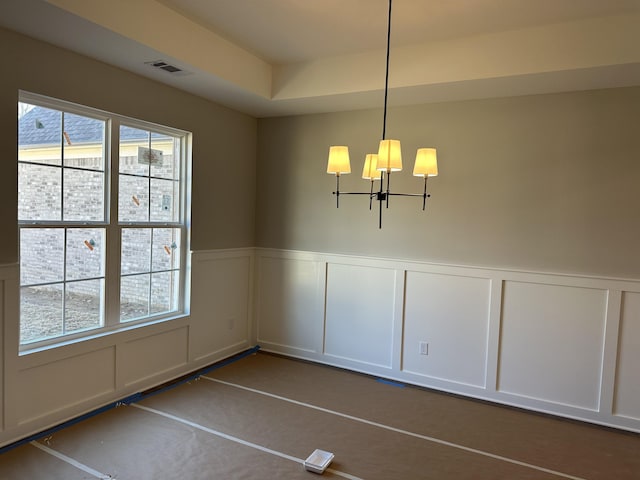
x: 41, y: 126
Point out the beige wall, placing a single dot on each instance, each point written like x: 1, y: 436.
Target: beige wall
x: 223, y: 148
x: 544, y: 183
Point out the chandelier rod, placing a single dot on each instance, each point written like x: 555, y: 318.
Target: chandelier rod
x: 386, y: 79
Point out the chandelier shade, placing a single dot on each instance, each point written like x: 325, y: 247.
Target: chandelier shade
x: 426, y: 163
x: 389, y: 156
x: 370, y: 170
x: 339, y: 160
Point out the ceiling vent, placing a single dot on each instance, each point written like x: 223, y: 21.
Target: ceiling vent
x: 172, y: 69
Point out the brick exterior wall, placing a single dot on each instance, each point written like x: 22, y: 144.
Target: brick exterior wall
x: 43, y: 254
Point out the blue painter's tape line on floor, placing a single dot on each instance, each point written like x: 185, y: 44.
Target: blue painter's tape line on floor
x: 390, y: 382
x: 136, y: 397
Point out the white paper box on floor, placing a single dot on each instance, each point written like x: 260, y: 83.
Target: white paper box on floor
x: 318, y: 461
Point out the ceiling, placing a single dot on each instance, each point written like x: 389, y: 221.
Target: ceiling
x: 279, y: 57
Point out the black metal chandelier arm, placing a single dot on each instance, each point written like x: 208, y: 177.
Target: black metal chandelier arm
x: 374, y: 194
x: 423, y: 195
x: 407, y: 194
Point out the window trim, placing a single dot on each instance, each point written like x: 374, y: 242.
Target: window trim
x: 113, y: 228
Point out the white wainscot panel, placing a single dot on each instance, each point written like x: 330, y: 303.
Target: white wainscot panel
x: 219, y: 304
x: 451, y: 315
x: 289, y: 308
x: 627, y: 396
x: 2, y: 320
x: 151, y: 356
x: 360, y: 313
x: 47, y: 388
x: 551, y: 346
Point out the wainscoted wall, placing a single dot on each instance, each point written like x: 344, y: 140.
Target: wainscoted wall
x: 567, y: 345
x: 563, y: 344
x: 43, y: 388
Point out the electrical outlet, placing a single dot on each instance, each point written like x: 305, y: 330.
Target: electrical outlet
x: 424, y: 348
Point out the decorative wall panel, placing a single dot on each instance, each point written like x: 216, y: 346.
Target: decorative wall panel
x: 221, y: 299
x: 450, y: 314
x: 552, y: 340
x: 627, y: 391
x: 289, y: 303
x: 45, y: 389
x: 360, y: 313
x: 149, y: 357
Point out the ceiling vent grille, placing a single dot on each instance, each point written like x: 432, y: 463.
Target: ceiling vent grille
x: 167, y: 67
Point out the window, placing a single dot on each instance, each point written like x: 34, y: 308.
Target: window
x: 103, y: 219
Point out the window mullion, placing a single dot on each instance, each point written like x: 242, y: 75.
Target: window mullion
x: 113, y: 234
x: 149, y: 185
x: 62, y: 166
x: 64, y: 236
x: 64, y: 280
x: 151, y: 253
x: 150, y: 268
x: 185, y: 221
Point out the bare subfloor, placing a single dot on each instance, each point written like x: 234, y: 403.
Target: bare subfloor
x: 259, y: 417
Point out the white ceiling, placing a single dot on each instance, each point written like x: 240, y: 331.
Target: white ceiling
x: 288, y: 31
x: 275, y: 57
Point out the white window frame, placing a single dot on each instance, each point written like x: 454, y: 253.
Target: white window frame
x: 111, y: 310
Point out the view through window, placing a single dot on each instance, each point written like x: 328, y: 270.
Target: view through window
x: 102, y: 214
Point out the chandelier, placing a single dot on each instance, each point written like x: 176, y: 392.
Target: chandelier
x: 379, y: 166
